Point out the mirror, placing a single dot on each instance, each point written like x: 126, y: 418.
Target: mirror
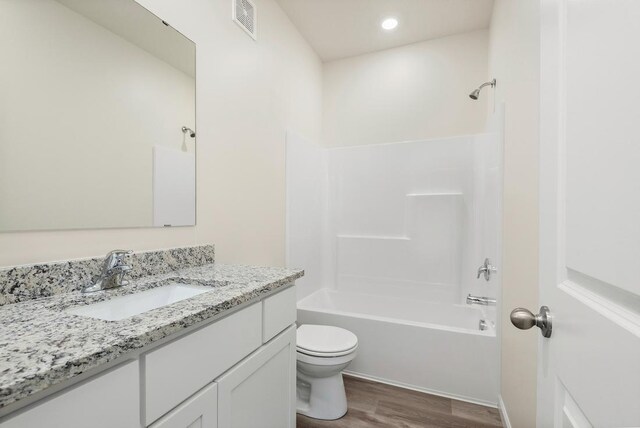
x: 97, y: 117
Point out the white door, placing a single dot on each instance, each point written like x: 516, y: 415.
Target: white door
x: 589, y: 369
x: 260, y: 392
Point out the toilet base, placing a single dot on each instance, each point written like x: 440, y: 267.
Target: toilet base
x: 321, y: 398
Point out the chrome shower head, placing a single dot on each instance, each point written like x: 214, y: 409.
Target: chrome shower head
x: 189, y: 130
x: 476, y: 93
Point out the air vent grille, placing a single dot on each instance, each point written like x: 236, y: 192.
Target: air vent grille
x: 244, y: 13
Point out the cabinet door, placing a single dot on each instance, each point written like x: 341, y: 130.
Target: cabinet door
x: 199, y: 411
x: 107, y: 400
x: 260, y: 391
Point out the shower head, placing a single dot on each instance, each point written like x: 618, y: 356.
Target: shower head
x: 189, y: 130
x: 476, y: 93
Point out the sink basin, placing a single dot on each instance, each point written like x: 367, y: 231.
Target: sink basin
x: 123, y: 307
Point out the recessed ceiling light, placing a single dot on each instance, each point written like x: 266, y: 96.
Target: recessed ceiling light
x: 389, y: 24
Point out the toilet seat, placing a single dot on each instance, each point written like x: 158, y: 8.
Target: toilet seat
x: 325, y: 341
x: 325, y: 361
x: 325, y: 354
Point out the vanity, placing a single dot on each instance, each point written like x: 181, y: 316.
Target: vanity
x: 225, y: 357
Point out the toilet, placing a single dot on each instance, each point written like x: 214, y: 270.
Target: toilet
x: 323, y: 352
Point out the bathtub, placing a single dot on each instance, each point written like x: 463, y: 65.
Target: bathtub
x: 431, y: 347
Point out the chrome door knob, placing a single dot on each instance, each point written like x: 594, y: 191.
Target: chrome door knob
x: 524, y: 319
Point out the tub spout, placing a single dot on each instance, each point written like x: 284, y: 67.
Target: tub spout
x: 477, y: 300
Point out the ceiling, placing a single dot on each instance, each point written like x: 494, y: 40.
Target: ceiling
x: 343, y: 28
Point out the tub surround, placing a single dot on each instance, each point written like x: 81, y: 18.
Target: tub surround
x: 41, y: 345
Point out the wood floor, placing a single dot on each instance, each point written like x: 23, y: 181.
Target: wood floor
x: 375, y: 405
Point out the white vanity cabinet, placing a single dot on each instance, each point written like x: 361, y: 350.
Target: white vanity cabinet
x: 175, y: 371
x: 108, y: 400
x: 250, y: 356
x: 260, y: 391
x: 257, y: 392
x: 235, y: 372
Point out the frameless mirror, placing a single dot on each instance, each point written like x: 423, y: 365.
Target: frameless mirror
x: 97, y: 117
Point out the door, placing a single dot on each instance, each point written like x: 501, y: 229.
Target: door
x: 199, y: 411
x: 589, y: 369
x: 261, y: 390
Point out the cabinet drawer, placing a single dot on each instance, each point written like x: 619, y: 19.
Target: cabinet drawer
x: 108, y: 400
x: 279, y: 312
x: 173, y: 372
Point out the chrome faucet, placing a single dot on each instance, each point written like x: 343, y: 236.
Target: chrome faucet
x: 477, y: 300
x: 113, y: 272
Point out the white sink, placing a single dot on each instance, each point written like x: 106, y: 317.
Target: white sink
x: 123, y: 307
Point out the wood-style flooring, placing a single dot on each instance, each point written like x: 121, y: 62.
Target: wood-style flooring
x: 376, y: 405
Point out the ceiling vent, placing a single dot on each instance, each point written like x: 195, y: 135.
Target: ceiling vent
x: 245, y: 15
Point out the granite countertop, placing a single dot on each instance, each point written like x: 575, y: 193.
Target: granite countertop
x: 41, y: 345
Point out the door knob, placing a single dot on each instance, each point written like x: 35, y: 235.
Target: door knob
x: 524, y: 319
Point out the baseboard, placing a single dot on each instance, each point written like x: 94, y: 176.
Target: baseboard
x: 425, y: 390
x: 503, y: 413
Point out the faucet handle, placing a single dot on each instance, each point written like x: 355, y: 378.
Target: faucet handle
x: 116, y: 258
x: 487, y: 269
x: 481, y: 269
x: 119, y: 254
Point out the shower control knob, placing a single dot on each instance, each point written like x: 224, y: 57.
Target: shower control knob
x: 486, y: 270
x: 524, y: 319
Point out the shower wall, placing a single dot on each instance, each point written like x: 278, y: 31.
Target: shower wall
x: 411, y: 219
x: 487, y: 193
x: 400, y: 218
x: 306, y: 211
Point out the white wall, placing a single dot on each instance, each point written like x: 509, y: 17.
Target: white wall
x: 82, y: 110
x: 248, y: 93
x: 414, y: 92
x: 514, y: 62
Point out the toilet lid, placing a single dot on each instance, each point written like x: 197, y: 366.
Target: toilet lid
x: 324, y: 339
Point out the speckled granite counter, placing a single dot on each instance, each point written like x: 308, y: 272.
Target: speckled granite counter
x: 41, y: 345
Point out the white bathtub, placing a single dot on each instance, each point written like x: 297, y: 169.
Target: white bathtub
x: 431, y: 347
